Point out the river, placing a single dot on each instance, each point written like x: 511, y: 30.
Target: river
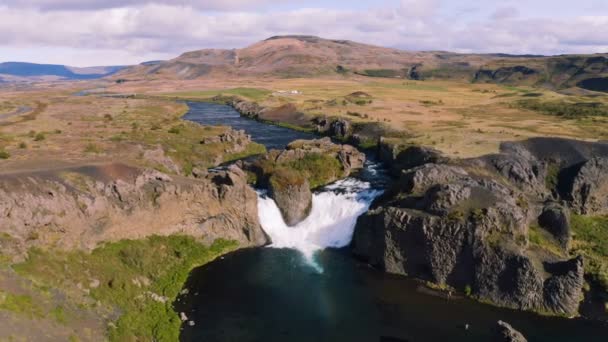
x: 307, y: 287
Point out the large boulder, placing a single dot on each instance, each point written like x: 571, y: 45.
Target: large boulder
x: 442, y: 224
x: 335, y: 127
x: 555, y: 219
x: 521, y: 169
x: 292, y: 194
x: 399, y: 157
x: 589, y: 189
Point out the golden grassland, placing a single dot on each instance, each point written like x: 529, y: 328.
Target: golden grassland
x: 459, y: 118
x: 60, y: 129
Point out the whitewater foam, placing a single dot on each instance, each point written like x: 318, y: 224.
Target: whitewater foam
x: 331, y: 221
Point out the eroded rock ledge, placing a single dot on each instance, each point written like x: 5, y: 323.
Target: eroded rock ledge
x: 83, y: 206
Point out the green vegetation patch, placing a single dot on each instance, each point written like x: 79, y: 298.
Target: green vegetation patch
x: 141, y: 278
x: 591, y: 241
x: 255, y: 94
x: 544, y: 240
x: 565, y: 109
x: 391, y: 73
x: 184, y: 142
x: 319, y: 169
x: 20, y: 304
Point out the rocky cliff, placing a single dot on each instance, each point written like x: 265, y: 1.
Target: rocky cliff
x: 83, y: 206
x: 466, y: 224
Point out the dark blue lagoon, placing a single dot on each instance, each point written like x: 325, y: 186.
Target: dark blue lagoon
x: 268, y: 135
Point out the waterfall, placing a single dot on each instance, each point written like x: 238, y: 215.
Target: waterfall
x: 331, y: 222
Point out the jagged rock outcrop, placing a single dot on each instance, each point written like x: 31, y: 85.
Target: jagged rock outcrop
x: 291, y: 192
x: 80, y: 207
x: 521, y: 168
x: 246, y: 108
x: 238, y: 140
x: 398, y: 157
x: 336, y: 127
x: 350, y: 158
x: 443, y: 224
x: 589, y: 188
x: 504, y: 332
x: 555, y: 219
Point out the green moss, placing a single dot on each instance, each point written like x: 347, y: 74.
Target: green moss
x: 20, y: 304
x: 283, y: 177
x: 543, y: 239
x: 92, y: 148
x: 39, y: 136
x: 565, y: 109
x: 127, y: 272
x: 318, y: 168
x: 59, y: 315
x: 590, y: 239
x: 468, y: 291
x: 552, y: 177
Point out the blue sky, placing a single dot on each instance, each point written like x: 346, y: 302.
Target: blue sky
x: 102, y: 32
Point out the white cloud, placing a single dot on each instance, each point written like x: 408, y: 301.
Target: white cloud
x: 219, y: 5
x: 153, y: 30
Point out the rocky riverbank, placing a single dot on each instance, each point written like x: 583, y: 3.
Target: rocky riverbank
x: 473, y: 225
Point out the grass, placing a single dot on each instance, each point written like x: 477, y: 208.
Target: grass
x: 39, y: 136
x: 552, y: 177
x: 92, y: 148
x: 182, y: 143
x: 283, y: 178
x: 591, y: 241
x: 566, y: 109
x: 254, y: 94
x: 543, y: 239
x: 4, y: 154
x: 318, y: 169
x: 20, y: 304
x: 127, y: 273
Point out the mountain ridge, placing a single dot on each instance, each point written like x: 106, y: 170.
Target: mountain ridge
x: 312, y: 56
x: 33, y: 71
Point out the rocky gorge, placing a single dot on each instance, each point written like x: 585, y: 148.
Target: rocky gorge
x: 467, y: 224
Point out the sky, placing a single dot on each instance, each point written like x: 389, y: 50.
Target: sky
x: 122, y: 32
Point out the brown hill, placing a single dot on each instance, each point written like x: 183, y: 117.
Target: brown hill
x: 305, y: 56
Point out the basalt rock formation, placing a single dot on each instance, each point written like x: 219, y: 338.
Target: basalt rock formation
x: 399, y: 157
x: 82, y: 206
x: 589, y: 188
x: 443, y: 224
x: 465, y: 223
x: 291, y: 192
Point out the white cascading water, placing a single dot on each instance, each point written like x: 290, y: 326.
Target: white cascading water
x: 331, y: 221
